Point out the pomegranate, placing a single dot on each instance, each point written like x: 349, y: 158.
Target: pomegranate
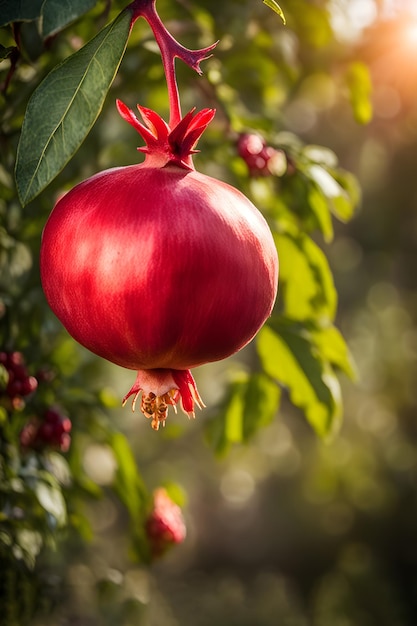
x: 165, y: 525
x: 157, y: 267
x: 19, y: 382
x: 261, y: 159
x: 52, y: 431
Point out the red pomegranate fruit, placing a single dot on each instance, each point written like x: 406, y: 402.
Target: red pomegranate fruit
x: 157, y: 267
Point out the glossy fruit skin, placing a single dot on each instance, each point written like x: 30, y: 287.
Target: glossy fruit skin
x: 158, y: 267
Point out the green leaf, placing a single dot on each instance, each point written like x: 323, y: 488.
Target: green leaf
x: 275, y: 7
x: 15, y: 260
x: 65, y: 106
x: 332, y: 348
x: 51, y: 499
x: 341, y: 191
x: 4, y: 379
x: 288, y: 357
x: 233, y: 416
x: 30, y: 543
x: 250, y: 404
x: 320, y: 155
x: 226, y: 427
x: 320, y: 208
x: 360, y: 90
x: 56, y: 14
x: 128, y: 483
x: 306, y: 279
x: 344, y: 206
x: 261, y: 403
x: 19, y: 10
x: 6, y: 52
x: 313, y: 24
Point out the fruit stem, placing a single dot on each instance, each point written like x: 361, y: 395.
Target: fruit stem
x: 170, y: 49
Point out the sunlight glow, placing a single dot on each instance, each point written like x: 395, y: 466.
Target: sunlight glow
x: 351, y: 17
x: 410, y: 34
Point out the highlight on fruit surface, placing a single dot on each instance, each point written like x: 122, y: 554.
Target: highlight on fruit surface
x: 155, y: 266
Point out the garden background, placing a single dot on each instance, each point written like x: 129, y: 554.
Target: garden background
x: 297, y: 484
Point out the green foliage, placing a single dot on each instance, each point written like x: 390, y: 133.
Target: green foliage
x: 252, y: 402
x: 306, y: 282
x: 289, y: 356
x: 5, y: 52
x: 65, y: 106
x: 275, y: 7
x: 56, y: 15
x: 360, y: 90
x: 19, y: 10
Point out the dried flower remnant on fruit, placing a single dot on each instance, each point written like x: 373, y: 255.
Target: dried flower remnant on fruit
x: 165, y: 525
x: 168, y: 388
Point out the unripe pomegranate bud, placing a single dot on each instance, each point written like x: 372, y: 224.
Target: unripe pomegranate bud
x: 19, y: 371
x: 250, y: 144
x: 262, y: 160
x: 28, y: 434
x: 45, y: 375
x: 276, y: 161
x: 157, y: 267
x: 29, y: 385
x: 53, y: 431
x: 19, y: 383
x: 165, y: 525
x: 250, y: 147
x: 15, y: 358
x: 14, y: 386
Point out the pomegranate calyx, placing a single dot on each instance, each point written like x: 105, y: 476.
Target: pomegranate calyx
x: 162, y: 388
x: 163, y: 144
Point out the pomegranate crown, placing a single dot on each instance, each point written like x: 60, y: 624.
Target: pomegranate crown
x: 173, y: 142
x: 163, y: 144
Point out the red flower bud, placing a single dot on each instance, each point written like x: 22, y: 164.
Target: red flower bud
x: 165, y: 525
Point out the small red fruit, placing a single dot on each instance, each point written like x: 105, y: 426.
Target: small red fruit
x: 28, y: 435
x: 55, y: 430
x: 52, y: 431
x: 19, y: 383
x: 261, y: 159
x: 165, y: 525
x: 29, y: 385
x: 15, y: 358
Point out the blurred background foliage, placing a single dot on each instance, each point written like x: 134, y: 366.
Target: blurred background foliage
x: 282, y: 527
